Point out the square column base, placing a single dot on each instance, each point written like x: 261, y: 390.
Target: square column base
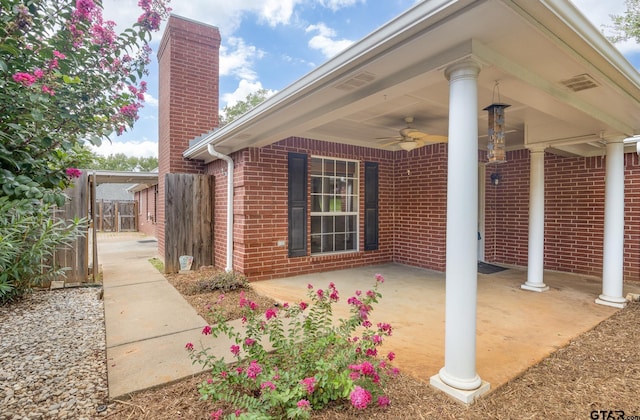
x: 534, y: 288
x: 466, y: 397
x: 612, y: 304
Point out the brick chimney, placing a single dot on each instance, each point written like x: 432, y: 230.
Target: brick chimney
x: 188, y: 59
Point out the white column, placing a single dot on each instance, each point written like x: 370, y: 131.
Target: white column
x: 458, y: 377
x: 613, y: 252
x: 535, y: 263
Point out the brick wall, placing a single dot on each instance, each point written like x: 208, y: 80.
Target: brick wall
x: 574, y: 213
x: 260, y: 219
x: 146, y: 200
x: 188, y: 97
x: 420, y: 207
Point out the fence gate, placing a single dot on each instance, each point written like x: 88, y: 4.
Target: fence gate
x: 117, y: 216
x: 76, y: 255
x: 188, y: 220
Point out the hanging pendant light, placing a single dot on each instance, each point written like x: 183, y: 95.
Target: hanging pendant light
x: 496, y: 152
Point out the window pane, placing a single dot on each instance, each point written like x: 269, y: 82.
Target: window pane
x: 351, y: 241
x: 316, y: 185
x: 327, y: 243
x: 341, y: 168
x: 315, y: 244
x: 316, y: 203
x: 329, y: 167
x: 340, y: 223
x: 340, y: 242
x: 316, y: 224
x: 351, y: 170
x: 351, y: 224
x: 327, y: 224
x: 316, y: 166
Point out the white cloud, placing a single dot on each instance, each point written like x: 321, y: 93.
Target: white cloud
x: 336, y: 5
x: 237, y: 59
x: 150, y: 100
x: 143, y: 148
x: 276, y: 12
x: 245, y: 87
x: 323, y: 40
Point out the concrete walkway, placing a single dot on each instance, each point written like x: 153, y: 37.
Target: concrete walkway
x: 148, y: 322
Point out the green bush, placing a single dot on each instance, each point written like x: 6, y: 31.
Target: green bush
x: 28, y: 238
x: 222, y: 282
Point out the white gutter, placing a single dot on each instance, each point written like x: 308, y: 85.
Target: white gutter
x: 213, y: 152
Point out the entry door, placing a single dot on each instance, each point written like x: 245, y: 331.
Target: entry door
x: 481, y: 200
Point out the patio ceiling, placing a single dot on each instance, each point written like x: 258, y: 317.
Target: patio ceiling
x: 541, y: 53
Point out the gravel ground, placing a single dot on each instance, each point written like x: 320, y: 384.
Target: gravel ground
x: 52, y: 356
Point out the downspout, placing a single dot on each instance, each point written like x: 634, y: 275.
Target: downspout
x: 215, y: 153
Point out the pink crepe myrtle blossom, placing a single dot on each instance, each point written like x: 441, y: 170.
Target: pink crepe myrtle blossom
x: 189, y: 346
x: 268, y: 385
x: 24, y: 79
x: 270, y: 313
x: 217, y: 415
x: 309, y: 384
x: 84, y: 9
x: 303, y: 306
x: 379, y: 278
x: 46, y: 89
x: 59, y: 55
x: 235, y: 350
x: 360, y: 398
x: 249, y: 342
x: 254, y: 369
x: 73, y: 172
x: 38, y: 73
x: 383, y: 401
x: 391, y: 356
x: 206, y: 330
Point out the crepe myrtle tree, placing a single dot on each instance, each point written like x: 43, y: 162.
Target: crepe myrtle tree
x: 66, y: 77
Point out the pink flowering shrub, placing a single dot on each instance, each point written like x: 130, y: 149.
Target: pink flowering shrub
x: 311, y: 361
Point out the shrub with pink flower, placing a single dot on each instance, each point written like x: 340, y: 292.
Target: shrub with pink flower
x: 310, y: 360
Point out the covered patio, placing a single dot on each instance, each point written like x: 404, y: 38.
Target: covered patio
x: 515, y: 329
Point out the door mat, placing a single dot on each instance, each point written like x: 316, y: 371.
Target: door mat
x: 147, y: 241
x: 485, y: 268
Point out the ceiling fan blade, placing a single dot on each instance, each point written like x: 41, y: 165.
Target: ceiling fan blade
x: 391, y: 142
x: 432, y: 139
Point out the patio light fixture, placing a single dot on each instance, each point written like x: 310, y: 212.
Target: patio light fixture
x: 496, y: 152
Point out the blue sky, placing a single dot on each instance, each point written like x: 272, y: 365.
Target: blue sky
x: 271, y: 43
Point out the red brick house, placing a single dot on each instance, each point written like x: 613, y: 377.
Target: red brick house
x: 320, y: 183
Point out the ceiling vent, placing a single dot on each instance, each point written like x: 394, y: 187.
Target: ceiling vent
x: 580, y: 82
x: 356, y: 81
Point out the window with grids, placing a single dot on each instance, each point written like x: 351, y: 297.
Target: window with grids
x: 334, y: 205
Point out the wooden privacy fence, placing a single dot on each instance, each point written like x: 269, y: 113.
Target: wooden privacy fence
x: 188, y: 220
x: 75, y: 256
x: 116, y: 216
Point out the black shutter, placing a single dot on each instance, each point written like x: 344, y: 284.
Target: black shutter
x: 297, y: 205
x: 370, y: 206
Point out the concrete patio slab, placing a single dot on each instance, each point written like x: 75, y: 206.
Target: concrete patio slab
x: 515, y: 328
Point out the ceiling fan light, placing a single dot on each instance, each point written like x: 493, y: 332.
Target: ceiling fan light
x: 408, y: 145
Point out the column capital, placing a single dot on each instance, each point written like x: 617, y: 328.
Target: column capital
x: 537, y: 148
x: 467, y: 68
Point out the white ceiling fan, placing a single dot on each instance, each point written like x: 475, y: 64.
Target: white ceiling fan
x: 410, y: 137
